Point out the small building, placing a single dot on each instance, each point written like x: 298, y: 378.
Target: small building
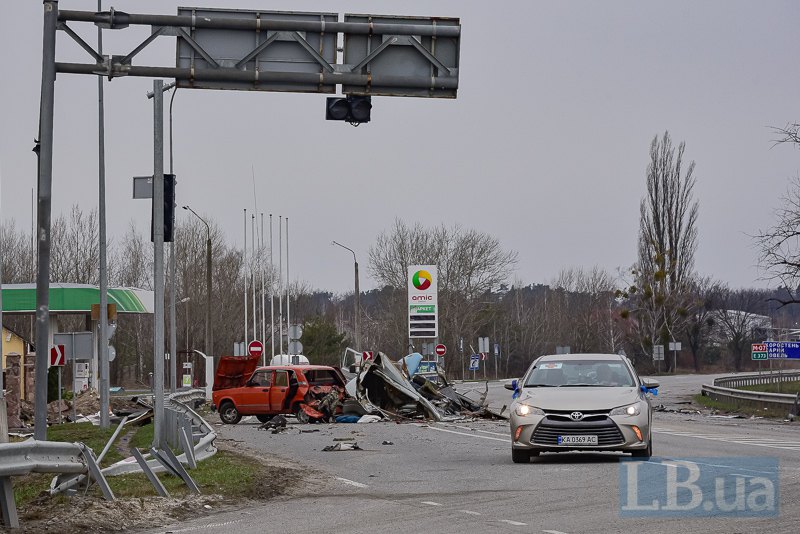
x: 13, y: 343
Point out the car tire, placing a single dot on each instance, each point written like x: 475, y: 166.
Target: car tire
x: 264, y: 418
x: 519, y: 456
x: 229, y: 414
x: 646, y: 453
x: 302, y: 417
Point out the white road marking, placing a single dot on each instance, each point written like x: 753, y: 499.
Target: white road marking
x: 505, y: 435
x: 206, y: 526
x: 515, y: 523
x: 554, y: 532
x: 351, y: 482
x: 431, y: 503
x: 770, y: 443
x: 470, y: 512
x: 506, y: 440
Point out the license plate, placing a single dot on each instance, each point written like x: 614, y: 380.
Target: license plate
x: 577, y: 440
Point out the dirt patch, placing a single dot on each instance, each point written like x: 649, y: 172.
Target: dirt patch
x: 80, y: 514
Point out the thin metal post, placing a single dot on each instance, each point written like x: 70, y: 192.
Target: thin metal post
x: 252, y: 272
x: 288, y: 284
x: 263, y: 294
x: 244, y: 263
x: 101, y: 138
x: 271, y: 293
x: 173, y: 311
x: 208, y: 337
x: 45, y: 150
x: 280, y: 283
x: 357, y: 296
x: 158, y: 262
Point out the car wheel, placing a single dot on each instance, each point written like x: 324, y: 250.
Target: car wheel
x: 229, y: 414
x: 647, y: 453
x: 302, y: 417
x: 519, y: 456
x: 264, y: 418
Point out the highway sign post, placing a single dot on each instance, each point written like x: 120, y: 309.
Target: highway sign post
x: 57, y: 359
x: 758, y: 351
x: 658, y: 356
x: 474, y: 363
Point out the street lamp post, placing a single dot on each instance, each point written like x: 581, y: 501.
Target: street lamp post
x: 357, y: 297
x: 208, y: 349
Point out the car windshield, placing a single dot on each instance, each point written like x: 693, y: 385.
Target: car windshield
x: 580, y: 373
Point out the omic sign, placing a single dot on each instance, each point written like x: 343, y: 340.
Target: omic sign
x: 422, y: 302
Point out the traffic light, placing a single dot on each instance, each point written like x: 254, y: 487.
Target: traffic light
x: 352, y: 108
x: 169, y: 209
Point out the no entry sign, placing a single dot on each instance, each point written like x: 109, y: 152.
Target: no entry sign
x: 255, y: 348
x: 440, y: 350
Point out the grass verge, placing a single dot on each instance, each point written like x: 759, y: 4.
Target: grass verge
x: 227, y: 473
x: 791, y: 388
x: 721, y: 406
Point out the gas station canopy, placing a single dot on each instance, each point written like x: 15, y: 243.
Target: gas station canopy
x: 75, y: 298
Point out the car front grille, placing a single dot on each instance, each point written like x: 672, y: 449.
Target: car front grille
x: 547, y: 432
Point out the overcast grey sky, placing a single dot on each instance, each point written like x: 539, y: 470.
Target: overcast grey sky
x: 546, y: 146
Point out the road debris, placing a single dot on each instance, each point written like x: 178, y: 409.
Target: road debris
x: 343, y: 447
x: 394, y: 390
x: 277, y: 424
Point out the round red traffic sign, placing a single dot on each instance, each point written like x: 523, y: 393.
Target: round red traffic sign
x: 440, y: 349
x: 255, y: 348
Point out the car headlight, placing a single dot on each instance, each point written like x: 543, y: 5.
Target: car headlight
x: 632, y: 409
x: 526, y: 409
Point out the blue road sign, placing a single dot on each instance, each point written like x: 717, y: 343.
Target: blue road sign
x: 783, y: 349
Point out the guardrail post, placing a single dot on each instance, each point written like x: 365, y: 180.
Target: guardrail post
x: 7, y: 504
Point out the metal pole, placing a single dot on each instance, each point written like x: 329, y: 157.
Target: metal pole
x: 173, y: 312
x: 244, y: 262
x: 356, y: 297
x: 252, y: 272
x: 209, y: 334
x: 158, y: 262
x: 280, y: 283
x: 288, y: 283
x: 271, y: 293
x: 3, y: 410
x: 43, y: 214
x: 263, y: 306
x: 358, y: 308
x: 104, y: 364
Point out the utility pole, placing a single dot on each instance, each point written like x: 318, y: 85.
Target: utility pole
x: 45, y: 153
x: 356, y: 297
x: 158, y: 262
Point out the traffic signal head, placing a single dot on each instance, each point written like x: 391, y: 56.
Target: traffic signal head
x: 353, y: 109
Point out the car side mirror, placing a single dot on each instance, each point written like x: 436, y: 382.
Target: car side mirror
x: 650, y: 384
x: 511, y: 386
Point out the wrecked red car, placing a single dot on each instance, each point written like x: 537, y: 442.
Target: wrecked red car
x: 310, y: 392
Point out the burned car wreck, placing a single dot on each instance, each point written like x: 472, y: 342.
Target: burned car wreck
x: 397, y: 391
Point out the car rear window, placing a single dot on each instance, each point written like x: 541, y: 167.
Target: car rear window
x: 322, y: 377
x: 587, y: 373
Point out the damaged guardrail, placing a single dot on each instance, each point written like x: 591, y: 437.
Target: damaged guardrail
x: 33, y: 456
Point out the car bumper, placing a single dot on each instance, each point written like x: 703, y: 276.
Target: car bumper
x: 615, y: 433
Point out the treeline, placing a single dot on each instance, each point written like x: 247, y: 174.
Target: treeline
x: 588, y: 310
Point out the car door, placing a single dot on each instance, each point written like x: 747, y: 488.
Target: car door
x: 277, y: 392
x: 255, y: 396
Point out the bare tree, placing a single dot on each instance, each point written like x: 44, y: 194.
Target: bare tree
x: 667, y: 244
x: 741, y: 321
x: 780, y: 256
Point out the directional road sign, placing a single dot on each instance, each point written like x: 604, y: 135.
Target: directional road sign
x: 783, y: 349
x: 367, y: 355
x: 759, y: 351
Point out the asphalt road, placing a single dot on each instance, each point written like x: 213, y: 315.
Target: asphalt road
x: 458, y: 477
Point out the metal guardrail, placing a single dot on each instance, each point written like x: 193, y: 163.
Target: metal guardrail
x: 756, y: 380
x: 724, y: 389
